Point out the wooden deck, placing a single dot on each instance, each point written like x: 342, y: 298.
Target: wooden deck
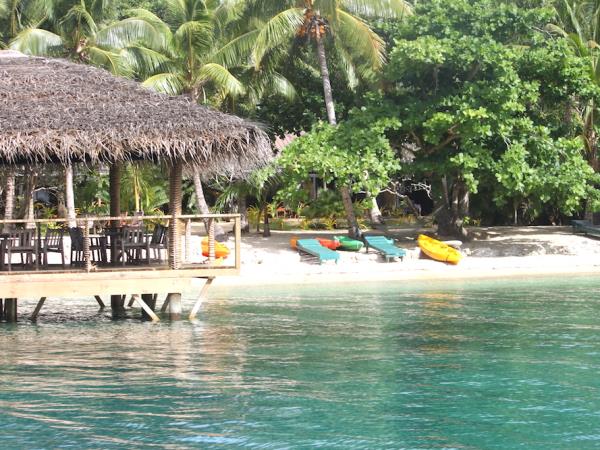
x: 116, y: 282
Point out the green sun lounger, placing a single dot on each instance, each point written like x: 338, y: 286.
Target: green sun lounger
x: 385, y: 247
x: 314, y: 248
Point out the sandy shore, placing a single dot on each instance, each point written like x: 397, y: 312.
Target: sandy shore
x: 494, y: 252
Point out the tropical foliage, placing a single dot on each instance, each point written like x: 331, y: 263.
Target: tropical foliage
x: 491, y: 105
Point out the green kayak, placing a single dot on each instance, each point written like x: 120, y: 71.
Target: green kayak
x: 349, y: 244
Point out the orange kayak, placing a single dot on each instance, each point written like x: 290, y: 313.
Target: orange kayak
x: 221, y: 250
x: 329, y: 243
x: 293, y: 242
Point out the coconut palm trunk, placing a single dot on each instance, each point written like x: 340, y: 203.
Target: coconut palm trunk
x: 9, y: 199
x: 201, y: 202
x: 27, y: 208
x: 353, y: 228
x: 70, y: 195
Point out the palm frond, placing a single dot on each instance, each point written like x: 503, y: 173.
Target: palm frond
x: 345, y: 61
x: 356, y: 35
x: 276, y: 31
x: 109, y: 60
x: 384, y: 9
x: 194, y: 36
x: 167, y: 83
x: 237, y: 51
x: 129, y: 31
x: 37, y: 42
x: 222, y: 78
x: 78, y: 16
x: 145, y: 61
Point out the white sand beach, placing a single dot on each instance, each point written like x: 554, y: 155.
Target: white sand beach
x: 493, y: 252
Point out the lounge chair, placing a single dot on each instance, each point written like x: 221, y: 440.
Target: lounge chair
x: 385, y: 247
x: 314, y: 248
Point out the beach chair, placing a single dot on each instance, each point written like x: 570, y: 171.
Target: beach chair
x: 385, y: 247
x: 313, y: 248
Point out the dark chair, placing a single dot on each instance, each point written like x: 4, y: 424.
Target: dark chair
x: 97, y: 247
x: 133, y: 242
x: 24, y: 243
x: 158, y: 241
x: 53, y: 243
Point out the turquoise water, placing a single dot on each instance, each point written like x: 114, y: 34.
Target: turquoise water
x: 495, y: 365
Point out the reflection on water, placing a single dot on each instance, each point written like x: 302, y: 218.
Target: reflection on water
x: 358, y: 366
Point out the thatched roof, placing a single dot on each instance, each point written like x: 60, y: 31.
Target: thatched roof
x: 57, y: 111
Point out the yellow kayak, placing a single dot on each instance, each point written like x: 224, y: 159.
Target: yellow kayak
x: 438, y: 250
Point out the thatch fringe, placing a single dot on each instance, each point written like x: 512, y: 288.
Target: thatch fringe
x: 57, y: 111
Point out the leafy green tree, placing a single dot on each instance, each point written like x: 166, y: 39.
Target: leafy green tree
x: 338, y: 21
x: 486, y: 105
x: 357, y: 151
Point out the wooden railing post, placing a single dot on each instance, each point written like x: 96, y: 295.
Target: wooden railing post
x: 175, y: 211
x: 238, y: 242
x: 211, y: 240
x: 87, y: 261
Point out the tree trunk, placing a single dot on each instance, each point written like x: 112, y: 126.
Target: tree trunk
x: 201, y: 204
x: 266, y: 225
x: 243, y: 210
x: 447, y: 211
x: 70, y: 196
x: 114, y: 180
x: 353, y: 228
x: 375, y: 212
x: 27, y: 209
x: 9, y: 199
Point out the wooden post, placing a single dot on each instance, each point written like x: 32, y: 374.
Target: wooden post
x: 150, y: 301
x: 188, y: 238
x: 175, y: 211
x: 165, y: 304
x: 100, y: 302
x: 174, y: 306
x: 10, y: 309
x: 238, y: 242
x: 1, y: 308
x: 37, y: 309
x: 211, y: 240
x: 114, y: 176
x: 117, y: 304
x: 201, y: 297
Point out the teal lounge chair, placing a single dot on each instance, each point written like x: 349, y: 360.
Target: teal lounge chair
x: 314, y: 248
x: 385, y: 247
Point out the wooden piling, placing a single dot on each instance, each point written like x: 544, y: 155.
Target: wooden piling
x: 10, y: 309
x: 150, y: 300
x: 1, y: 308
x: 37, y: 309
x: 174, y: 306
x: 201, y: 298
x: 100, y: 302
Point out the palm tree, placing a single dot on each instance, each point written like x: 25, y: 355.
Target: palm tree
x: 337, y: 21
x: 82, y: 30
x: 579, y: 23
x: 201, y: 57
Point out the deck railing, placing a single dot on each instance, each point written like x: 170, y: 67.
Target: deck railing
x: 105, y: 243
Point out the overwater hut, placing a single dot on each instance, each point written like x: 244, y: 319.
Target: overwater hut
x: 55, y: 111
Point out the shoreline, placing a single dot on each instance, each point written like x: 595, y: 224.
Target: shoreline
x: 495, y: 253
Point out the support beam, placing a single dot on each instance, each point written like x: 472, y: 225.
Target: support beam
x: 37, y: 309
x: 175, y: 306
x: 146, y: 308
x: 10, y: 309
x: 201, y: 297
x: 150, y: 300
x: 132, y: 300
x: 1, y: 308
x: 165, y: 304
x: 175, y: 210
x: 100, y: 302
